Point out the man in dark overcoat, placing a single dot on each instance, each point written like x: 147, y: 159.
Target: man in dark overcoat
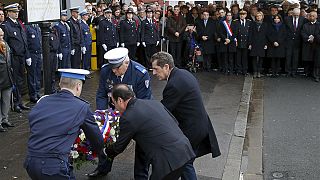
x: 182, y: 97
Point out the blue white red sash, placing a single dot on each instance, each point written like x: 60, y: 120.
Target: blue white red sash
x: 228, y: 29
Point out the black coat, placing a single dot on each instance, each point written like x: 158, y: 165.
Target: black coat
x: 310, y: 50
x: 174, y: 26
x: 294, y: 36
x: 149, y: 32
x: 222, y: 33
x: 156, y: 131
x: 258, y: 39
x: 75, y: 33
x: 209, y: 30
x: 241, y: 33
x: 182, y: 97
x: 108, y: 34
x: 129, y: 32
x: 279, y: 36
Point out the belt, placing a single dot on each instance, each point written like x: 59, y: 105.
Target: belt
x: 39, y: 154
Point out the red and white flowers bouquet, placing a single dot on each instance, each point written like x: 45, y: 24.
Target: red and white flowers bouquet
x: 108, y: 122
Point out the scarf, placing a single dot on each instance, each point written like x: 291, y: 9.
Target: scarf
x: 277, y: 25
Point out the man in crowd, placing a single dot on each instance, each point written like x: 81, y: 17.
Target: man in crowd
x: 182, y: 97
x: 150, y: 124
x: 16, y: 38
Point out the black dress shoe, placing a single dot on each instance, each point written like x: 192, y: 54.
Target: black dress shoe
x: 97, y: 173
x: 17, y: 109
x: 34, y: 100
x: 7, y: 124
x: 23, y: 107
x: 2, y: 129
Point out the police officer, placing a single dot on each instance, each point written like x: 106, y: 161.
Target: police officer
x: 130, y: 33
x: 34, y: 71
x: 108, y: 33
x: 16, y: 38
x: 241, y: 32
x: 87, y: 40
x: 55, y: 122
x: 63, y: 30
x: 149, y: 36
x: 76, y: 38
x: 54, y: 48
x: 122, y: 70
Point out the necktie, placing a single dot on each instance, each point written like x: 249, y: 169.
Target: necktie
x: 295, y: 23
x: 205, y: 23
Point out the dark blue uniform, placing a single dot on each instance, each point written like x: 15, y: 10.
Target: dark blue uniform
x: 16, y: 38
x: 137, y: 77
x: 35, y: 49
x: 130, y: 35
x: 65, y: 43
x: 149, y: 35
x: 54, y: 124
x: 76, y: 42
x: 108, y: 34
x: 87, y: 42
x: 54, y: 48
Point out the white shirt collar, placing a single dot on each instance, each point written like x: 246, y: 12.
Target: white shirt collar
x: 15, y: 21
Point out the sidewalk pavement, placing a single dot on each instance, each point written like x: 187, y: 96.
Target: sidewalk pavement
x: 222, y: 96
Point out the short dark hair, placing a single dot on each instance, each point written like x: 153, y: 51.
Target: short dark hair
x: 122, y: 91
x: 163, y: 58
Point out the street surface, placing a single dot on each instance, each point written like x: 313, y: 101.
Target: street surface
x: 221, y: 96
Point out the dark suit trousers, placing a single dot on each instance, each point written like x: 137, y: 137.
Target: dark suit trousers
x: 132, y: 50
x: 100, y: 54
x: 53, y: 62
x: 257, y: 64
x: 242, y: 60
x: 228, y: 59
x: 18, y: 65
x: 207, y: 61
x: 150, y: 50
x: 76, y: 58
x: 175, y: 51
x: 275, y: 63
x: 292, y: 59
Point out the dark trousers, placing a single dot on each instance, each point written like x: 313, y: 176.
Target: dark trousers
x: 228, y: 59
x: 242, y: 60
x: 207, y: 58
x: 86, y: 58
x: 220, y: 61
x: 18, y: 65
x: 257, y: 64
x: 275, y: 63
x: 100, y: 54
x: 54, y: 61
x: 292, y: 59
x: 76, y: 58
x: 174, y: 175
x: 175, y: 51
x: 65, y: 63
x: 189, y: 172
x: 132, y: 50
x: 34, y: 75
x: 308, y: 67
x: 150, y: 49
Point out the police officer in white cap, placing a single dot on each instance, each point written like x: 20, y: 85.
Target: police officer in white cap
x: 55, y: 122
x: 121, y: 69
x: 87, y: 40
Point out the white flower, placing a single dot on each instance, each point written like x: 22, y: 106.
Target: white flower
x: 114, y: 139
x: 99, y: 123
x: 75, y: 145
x: 112, y: 132
x: 74, y: 154
x: 82, y: 136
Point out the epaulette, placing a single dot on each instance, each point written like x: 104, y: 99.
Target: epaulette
x: 248, y: 19
x: 141, y: 69
x: 42, y: 97
x: 82, y: 99
x: 105, y: 65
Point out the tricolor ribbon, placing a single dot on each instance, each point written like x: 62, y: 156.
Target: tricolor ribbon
x: 228, y: 29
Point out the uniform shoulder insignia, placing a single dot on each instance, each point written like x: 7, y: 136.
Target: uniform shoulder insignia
x: 248, y: 19
x: 82, y: 99
x: 42, y: 98
x: 104, y: 65
x: 141, y: 69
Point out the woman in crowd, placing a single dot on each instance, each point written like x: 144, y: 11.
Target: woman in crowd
x: 276, y: 43
x: 258, y: 43
x: 6, y: 83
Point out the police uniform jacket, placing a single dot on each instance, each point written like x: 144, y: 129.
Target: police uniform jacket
x: 86, y: 34
x: 209, y: 30
x: 222, y: 33
x: 16, y: 38
x: 34, y: 39
x: 108, y: 33
x: 64, y: 36
x: 55, y: 122
x: 149, y: 32
x: 174, y: 26
x: 129, y: 32
x: 136, y: 76
x: 310, y: 51
x: 156, y: 131
x: 182, y: 97
x: 279, y: 36
x: 54, y: 42
x: 75, y: 32
x: 294, y: 35
x: 241, y: 33
x: 258, y: 39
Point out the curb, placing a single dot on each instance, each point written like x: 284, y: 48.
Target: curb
x: 234, y: 157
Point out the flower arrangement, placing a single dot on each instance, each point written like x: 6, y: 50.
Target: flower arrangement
x: 108, y: 122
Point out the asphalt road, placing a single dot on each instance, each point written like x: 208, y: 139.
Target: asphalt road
x: 221, y: 96
x: 291, y: 129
